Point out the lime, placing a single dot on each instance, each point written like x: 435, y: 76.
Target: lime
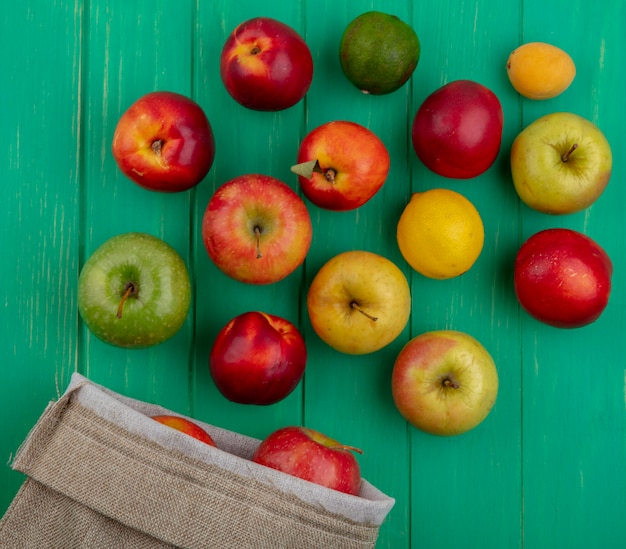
x: 378, y: 52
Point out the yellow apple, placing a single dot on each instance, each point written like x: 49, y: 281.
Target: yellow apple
x: 359, y: 302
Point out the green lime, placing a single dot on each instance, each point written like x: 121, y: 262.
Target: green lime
x: 378, y: 52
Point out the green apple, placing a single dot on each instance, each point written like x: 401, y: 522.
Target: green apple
x: 444, y: 382
x: 359, y: 302
x: 134, y: 291
x: 560, y: 163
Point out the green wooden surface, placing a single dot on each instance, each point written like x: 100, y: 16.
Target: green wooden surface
x: 547, y: 469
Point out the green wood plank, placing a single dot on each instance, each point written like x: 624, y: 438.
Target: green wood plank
x: 41, y: 125
x: 574, y: 413
x: 247, y: 142
x: 471, y: 40
x: 134, y: 48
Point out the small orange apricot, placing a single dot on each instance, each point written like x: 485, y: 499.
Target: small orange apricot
x: 540, y: 71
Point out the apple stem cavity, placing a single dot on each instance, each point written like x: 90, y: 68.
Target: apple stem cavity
x: 157, y: 146
x: 257, y: 233
x: 565, y: 156
x: 129, y: 289
x: 357, y: 307
x: 330, y: 175
x: 450, y: 383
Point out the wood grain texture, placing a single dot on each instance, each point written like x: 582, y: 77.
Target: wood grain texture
x: 545, y: 469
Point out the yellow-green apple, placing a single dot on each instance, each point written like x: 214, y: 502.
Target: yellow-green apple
x: 359, y: 302
x: 457, y: 130
x: 444, y: 382
x: 134, y: 291
x: 562, y: 278
x: 266, y: 65
x: 164, y: 142
x: 313, y: 456
x: 257, y: 358
x: 256, y: 229
x: 561, y: 163
x: 341, y: 165
x: 185, y: 426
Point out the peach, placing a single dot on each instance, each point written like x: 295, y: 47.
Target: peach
x: 540, y: 71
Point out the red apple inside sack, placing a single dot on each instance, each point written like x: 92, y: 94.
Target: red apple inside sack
x: 164, y: 142
x: 257, y: 358
x: 265, y: 65
x: 311, y: 455
x: 185, y: 426
x: 341, y: 165
x: 563, y: 278
x: 457, y: 131
x: 256, y: 229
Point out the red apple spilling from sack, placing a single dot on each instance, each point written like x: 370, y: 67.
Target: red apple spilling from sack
x: 257, y: 358
x: 457, y: 130
x: 563, y: 278
x: 561, y: 163
x: 444, y: 382
x: 313, y: 456
x: 256, y: 229
x: 265, y: 65
x: 359, y: 302
x: 341, y: 165
x: 164, y: 142
x: 134, y: 291
x: 185, y: 426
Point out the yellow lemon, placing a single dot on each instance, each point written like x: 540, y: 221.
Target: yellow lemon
x: 440, y: 233
x: 540, y: 71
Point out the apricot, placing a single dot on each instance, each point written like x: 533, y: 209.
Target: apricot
x: 540, y: 71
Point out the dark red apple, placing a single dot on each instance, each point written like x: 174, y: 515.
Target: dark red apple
x: 164, y: 142
x: 563, y: 278
x: 310, y: 455
x: 457, y: 131
x: 257, y: 358
x: 341, y: 165
x: 266, y: 65
x: 185, y: 426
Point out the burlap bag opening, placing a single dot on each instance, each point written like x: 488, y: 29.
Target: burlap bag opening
x: 102, y: 474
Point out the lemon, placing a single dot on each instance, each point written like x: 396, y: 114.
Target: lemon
x: 540, y: 71
x: 440, y: 233
x: 378, y: 52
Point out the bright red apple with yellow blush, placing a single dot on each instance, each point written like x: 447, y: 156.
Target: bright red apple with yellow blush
x: 341, y: 165
x: 265, y: 65
x: 164, y: 142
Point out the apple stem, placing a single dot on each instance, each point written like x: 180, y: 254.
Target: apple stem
x: 356, y: 306
x: 129, y: 290
x: 257, y: 232
x: 330, y: 175
x: 447, y: 382
x: 157, y: 146
x: 565, y: 156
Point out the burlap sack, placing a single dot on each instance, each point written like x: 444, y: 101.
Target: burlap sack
x: 102, y: 474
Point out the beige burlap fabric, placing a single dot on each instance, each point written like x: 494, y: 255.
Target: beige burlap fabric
x: 102, y: 474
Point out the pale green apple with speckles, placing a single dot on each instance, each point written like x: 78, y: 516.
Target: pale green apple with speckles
x: 134, y: 291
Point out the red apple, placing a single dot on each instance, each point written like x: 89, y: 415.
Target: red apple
x: 341, y: 165
x: 312, y: 456
x: 164, y: 142
x: 266, y: 65
x: 257, y: 358
x: 185, y: 426
x: 562, y: 278
x: 457, y: 131
x: 444, y: 382
x: 256, y: 229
